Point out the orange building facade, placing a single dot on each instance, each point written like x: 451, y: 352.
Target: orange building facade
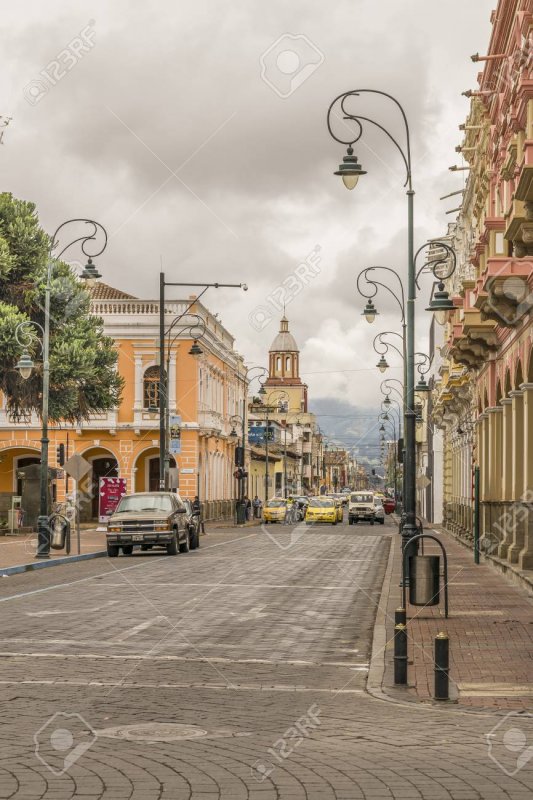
x: 204, y: 391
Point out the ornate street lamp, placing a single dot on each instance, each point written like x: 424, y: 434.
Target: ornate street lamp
x: 25, y: 365
x: 349, y: 169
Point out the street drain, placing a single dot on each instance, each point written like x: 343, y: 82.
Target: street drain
x: 153, y: 732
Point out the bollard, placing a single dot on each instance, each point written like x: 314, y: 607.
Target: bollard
x: 400, y: 616
x: 442, y: 665
x: 400, y: 655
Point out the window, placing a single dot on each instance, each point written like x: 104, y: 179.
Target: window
x: 287, y: 363
x: 151, y: 388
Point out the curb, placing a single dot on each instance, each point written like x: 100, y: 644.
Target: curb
x: 53, y: 562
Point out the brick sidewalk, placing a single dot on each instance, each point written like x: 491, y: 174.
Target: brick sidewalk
x: 490, y: 629
x: 20, y: 549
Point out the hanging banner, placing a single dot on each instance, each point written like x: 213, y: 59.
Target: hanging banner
x: 110, y: 490
x: 175, y: 434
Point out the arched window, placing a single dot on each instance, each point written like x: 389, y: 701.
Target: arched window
x: 278, y: 363
x: 287, y: 363
x: 151, y: 388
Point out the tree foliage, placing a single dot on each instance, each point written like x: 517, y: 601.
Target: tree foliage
x: 83, y: 377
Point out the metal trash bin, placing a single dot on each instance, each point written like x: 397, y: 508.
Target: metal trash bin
x: 60, y: 530
x: 424, y: 580
x: 241, y: 512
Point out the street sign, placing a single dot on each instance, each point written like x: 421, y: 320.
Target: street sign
x: 175, y: 434
x: 77, y: 467
x: 187, y: 471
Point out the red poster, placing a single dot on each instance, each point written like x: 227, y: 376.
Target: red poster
x: 110, y: 491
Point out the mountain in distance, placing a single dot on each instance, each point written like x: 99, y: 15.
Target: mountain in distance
x: 350, y: 427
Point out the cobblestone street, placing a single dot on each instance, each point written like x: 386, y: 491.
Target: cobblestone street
x: 236, y: 671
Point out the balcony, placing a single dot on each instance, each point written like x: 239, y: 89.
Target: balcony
x: 307, y: 447
x: 503, y: 292
x: 210, y: 423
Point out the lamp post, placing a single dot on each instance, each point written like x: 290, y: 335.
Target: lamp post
x: 350, y: 171
x: 163, y: 378
x: 237, y: 419
x: 267, y: 407
x: 199, y: 330
x: 25, y: 364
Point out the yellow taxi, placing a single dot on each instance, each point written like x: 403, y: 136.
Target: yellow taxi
x: 274, y: 510
x: 321, y: 509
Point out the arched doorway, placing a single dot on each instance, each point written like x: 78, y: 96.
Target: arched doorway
x: 23, y: 461
x: 105, y: 467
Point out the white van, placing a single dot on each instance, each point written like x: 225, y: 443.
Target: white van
x: 361, y: 507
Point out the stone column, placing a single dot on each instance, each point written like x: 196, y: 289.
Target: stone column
x: 484, y: 472
x: 138, y: 399
x: 494, y: 458
x: 518, y: 520
x: 525, y: 560
x: 507, y: 473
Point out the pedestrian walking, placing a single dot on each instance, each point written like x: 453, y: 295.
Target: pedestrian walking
x: 248, y: 506
x: 257, y: 507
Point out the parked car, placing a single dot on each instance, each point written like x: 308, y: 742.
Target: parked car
x: 148, y: 520
x: 321, y: 509
x: 389, y: 504
x: 379, y: 511
x: 361, y: 507
x: 193, y: 523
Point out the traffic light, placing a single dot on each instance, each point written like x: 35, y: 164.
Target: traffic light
x: 239, y: 456
x: 60, y: 453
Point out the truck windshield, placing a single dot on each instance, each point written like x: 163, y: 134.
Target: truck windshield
x: 145, y: 502
x: 361, y: 498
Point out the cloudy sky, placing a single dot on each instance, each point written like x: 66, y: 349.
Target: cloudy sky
x: 196, y: 133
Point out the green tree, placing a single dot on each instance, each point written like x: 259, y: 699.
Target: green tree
x: 83, y: 378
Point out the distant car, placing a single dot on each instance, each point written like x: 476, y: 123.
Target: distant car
x: 274, y: 510
x: 321, y: 509
x: 379, y: 511
x: 148, y: 520
x: 389, y: 504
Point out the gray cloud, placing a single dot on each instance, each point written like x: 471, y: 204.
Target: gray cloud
x: 178, y: 88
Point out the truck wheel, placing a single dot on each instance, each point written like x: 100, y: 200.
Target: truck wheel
x: 112, y: 551
x: 371, y: 521
x: 382, y: 521
x: 127, y: 549
x: 172, y: 547
x: 186, y: 545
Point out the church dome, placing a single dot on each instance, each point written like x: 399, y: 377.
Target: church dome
x: 284, y: 341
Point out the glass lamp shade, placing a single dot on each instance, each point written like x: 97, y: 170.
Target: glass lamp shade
x: 350, y: 181
x: 382, y: 364
x: 25, y: 365
x: 370, y: 312
x: 440, y: 317
x: 90, y: 274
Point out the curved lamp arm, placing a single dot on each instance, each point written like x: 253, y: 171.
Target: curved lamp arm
x: 25, y: 334
x: 386, y: 345
x: 447, y: 259
x: 90, y: 237
x: 343, y: 114
x: 424, y: 365
x: 375, y: 283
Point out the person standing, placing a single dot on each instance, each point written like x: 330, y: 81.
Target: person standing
x: 257, y: 507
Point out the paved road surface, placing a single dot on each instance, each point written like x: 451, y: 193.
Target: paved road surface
x: 236, y: 671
